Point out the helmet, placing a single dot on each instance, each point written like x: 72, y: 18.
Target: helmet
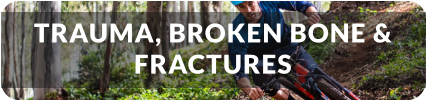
x: 236, y: 2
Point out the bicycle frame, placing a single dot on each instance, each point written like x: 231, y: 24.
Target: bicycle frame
x: 304, y: 80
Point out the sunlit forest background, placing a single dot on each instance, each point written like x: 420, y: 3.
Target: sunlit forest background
x: 93, y: 65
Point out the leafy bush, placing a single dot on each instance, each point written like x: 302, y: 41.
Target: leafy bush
x: 401, y: 59
x: 123, y: 82
x: 319, y: 51
x: 91, y: 67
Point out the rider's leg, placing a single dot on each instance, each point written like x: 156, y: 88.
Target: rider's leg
x: 308, y: 61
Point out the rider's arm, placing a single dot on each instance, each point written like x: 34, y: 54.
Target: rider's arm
x: 234, y: 49
x: 242, y: 80
x: 299, y: 6
x: 244, y: 84
x: 240, y: 48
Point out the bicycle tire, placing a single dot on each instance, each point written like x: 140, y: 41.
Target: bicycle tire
x: 330, y: 91
x: 349, y: 96
x: 287, y: 84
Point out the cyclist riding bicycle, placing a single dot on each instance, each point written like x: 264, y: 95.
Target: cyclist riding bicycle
x: 266, y: 12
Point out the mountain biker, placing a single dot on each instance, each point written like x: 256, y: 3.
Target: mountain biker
x: 266, y: 12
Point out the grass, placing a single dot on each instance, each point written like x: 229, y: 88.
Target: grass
x: 399, y: 61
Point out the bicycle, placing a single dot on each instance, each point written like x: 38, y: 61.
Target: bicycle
x: 309, y: 85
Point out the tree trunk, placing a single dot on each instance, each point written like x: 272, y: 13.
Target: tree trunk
x: 217, y: 8
x: 183, y: 17
x: 231, y: 18
x: 9, y: 49
x: 3, y: 54
x: 3, y: 51
x: 22, y: 73
x: 96, y: 10
x: 165, y: 38
x: 153, y: 18
x: 47, y: 62
x: 205, y: 9
x: 191, y: 16
x: 175, y: 19
x: 318, y: 5
x: 107, y: 58
x: 126, y: 12
x: 139, y: 46
x: 15, y: 56
x: 34, y: 43
x: 104, y: 17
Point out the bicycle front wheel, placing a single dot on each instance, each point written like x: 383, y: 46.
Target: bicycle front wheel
x: 283, y: 81
x: 330, y: 91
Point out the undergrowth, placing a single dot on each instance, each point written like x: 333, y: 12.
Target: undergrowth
x: 399, y: 64
x: 126, y: 85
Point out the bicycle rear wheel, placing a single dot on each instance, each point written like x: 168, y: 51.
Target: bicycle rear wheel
x: 330, y: 91
x: 287, y: 84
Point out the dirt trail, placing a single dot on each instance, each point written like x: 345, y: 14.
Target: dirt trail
x: 350, y: 57
x: 351, y: 61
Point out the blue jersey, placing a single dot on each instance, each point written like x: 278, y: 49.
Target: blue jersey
x: 272, y: 16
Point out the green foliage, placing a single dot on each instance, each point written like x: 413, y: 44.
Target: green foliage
x: 206, y: 79
x: 420, y: 31
x: 319, y: 51
x: 184, y: 86
x: 51, y: 95
x: 382, y: 57
x: 185, y: 94
x: 401, y: 59
x: 393, y: 94
x: 365, y: 13
x: 91, y: 67
x: 90, y: 71
x: 82, y: 93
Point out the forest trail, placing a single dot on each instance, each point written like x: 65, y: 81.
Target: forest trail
x: 349, y: 62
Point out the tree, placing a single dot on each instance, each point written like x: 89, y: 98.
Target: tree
x: 191, y: 15
x: 33, y: 44
x: 183, y: 17
x: 96, y: 11
x: 218, y: 9
x: 175, y: 19
x: 15, y: 57
x: 153, y: 18
x: 8, y: 41
x: 165, y: 34
x: 22, y: 73
x: 3, y: 52
x: 107, y: 58
x: 45, y: 61
x: 140, y: 46
x: 205, y: 9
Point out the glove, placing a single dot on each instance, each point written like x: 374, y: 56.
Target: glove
x: 273, y: 89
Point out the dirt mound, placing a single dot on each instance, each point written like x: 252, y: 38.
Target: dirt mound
x: 351, y: 61
x: 354, y: 56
